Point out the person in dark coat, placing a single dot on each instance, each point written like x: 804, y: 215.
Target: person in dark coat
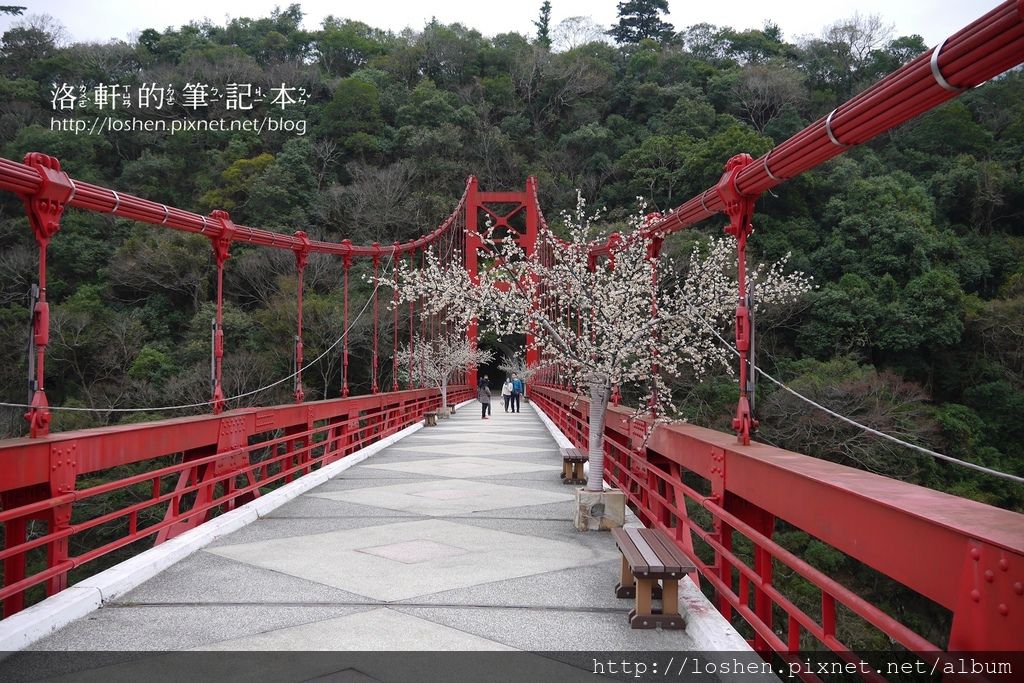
x: 483, y: 394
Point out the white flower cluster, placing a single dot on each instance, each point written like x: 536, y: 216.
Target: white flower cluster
x: 516, y: 365
x: 436, y: 361
x: 609, y: 320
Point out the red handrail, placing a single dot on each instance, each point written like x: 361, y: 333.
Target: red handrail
x: 228, y: 460
x: 965, y: 556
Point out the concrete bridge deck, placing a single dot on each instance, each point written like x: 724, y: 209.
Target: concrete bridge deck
x: 458, y: 537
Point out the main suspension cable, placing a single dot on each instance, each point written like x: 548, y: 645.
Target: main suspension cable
x: 882, y: 435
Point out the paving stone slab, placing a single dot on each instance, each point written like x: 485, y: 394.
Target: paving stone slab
x: 373, y: 630
x: 341, y: 559
x: 475, y: 496
x: 310, y: 505
x: 462, y: 467
x: 539, y: 629
x: 206, y: 577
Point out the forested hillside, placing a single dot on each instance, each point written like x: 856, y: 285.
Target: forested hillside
x: 915, y: 241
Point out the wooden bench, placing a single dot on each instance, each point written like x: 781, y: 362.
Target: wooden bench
x: 572, y: 465
x: 650, y: 556
x: 430, y: 418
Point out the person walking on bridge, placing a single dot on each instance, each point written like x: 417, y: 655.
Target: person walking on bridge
x: 518, y: 388
x: 483, y: 394
x: 506, y: 392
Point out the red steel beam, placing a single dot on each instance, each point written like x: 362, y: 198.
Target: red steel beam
x: 27, y: 460
x: 24, y: 180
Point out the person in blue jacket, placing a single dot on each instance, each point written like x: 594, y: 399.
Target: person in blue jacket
x: 518, y: 387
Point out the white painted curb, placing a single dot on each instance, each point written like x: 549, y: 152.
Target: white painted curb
x: 561, y: 439
x: 706, y: 624
x: 40, y: 620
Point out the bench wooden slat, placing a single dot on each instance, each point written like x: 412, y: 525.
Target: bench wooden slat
x: 655, y: 564
x: 668, y: 551
x: 637, y: 562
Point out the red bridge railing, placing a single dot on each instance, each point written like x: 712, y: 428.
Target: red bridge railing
x: 96, y: 491
x: 77, y: 498
x: 722, y: 503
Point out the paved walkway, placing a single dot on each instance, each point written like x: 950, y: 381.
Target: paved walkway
x: 455, y: 538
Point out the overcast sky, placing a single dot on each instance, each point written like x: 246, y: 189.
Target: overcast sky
x: 94, y: 20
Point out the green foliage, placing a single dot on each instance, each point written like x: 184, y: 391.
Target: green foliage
x: 152, y: 365
x: 345, y: 46
x: 353, y: 114
x: 947, y: 130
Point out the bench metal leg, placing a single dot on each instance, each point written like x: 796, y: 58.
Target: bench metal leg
x: 670, y: 599
x: 626, y: 587
x: 644, y: 616
x: 572, y: 472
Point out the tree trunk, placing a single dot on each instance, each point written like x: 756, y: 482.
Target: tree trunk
x: 595, y: 450
x: 444, y: 396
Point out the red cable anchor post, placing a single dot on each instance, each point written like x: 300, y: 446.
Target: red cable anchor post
x: 740, y: 210
x: 301, y: 258
x: 374, y: 387
x: 395, y: 256
x: 222, y: 252
x: 346, y: 262
x: 44, y: 208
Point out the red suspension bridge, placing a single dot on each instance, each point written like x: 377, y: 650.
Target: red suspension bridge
x: 706, y: 489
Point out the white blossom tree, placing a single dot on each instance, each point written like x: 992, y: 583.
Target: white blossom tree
x: 435, y: 361
x: 622, y: 316
x: 516, y: 365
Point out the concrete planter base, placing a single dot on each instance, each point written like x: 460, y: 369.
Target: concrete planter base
x: 599, y: 510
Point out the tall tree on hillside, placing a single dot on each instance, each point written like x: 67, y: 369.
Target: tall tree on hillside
x: 640, y: 19
x: 543, y: 24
